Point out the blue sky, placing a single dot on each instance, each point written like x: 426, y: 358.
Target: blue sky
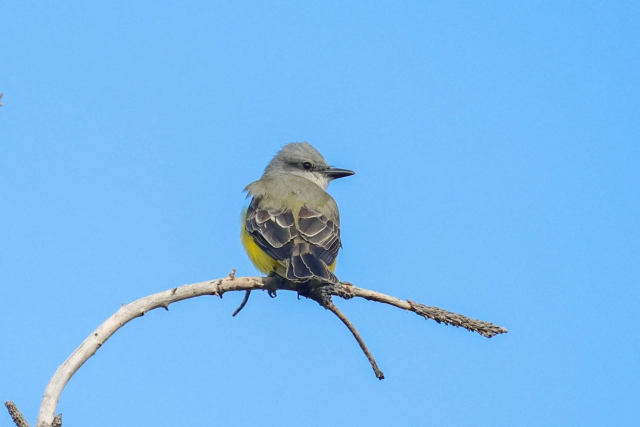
x: 496, y: 148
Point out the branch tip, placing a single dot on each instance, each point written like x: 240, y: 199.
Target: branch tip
x: 482, y: 327
x: 15, y: 414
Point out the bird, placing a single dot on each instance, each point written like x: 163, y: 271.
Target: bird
x: 291, y: 228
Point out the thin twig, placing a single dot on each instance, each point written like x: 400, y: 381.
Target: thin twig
x: 242, y: 304
x: 322, y: 295
x: 15, y: 413
x: 332, y: 307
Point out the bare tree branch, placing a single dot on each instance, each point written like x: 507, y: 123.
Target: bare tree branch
x: 218, y: 287
x: 486, y: 329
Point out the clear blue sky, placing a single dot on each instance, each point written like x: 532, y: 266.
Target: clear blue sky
x: 497, y: 151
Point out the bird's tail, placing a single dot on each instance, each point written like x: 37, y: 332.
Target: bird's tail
x: 304, y: 266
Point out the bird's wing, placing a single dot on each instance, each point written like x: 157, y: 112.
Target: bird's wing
x: 316, y: 249
x: 307, y: 249
x: 273, y: 230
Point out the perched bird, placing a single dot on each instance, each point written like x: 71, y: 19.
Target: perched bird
x: 292, y: 226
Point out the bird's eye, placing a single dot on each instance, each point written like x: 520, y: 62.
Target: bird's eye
x: 307, y: 165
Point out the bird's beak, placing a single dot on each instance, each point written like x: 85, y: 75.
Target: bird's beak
x: 334, y: 173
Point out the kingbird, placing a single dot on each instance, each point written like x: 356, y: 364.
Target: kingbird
x: 291, y: 228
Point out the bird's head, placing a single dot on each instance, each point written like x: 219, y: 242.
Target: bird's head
x: 301, y: 159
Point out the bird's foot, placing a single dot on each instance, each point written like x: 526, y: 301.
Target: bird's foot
x: 273, y: 291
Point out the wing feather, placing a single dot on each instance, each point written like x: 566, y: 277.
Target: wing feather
x: 272, y: 230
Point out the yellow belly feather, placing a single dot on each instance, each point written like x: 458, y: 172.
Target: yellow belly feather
x: 259, y: 258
